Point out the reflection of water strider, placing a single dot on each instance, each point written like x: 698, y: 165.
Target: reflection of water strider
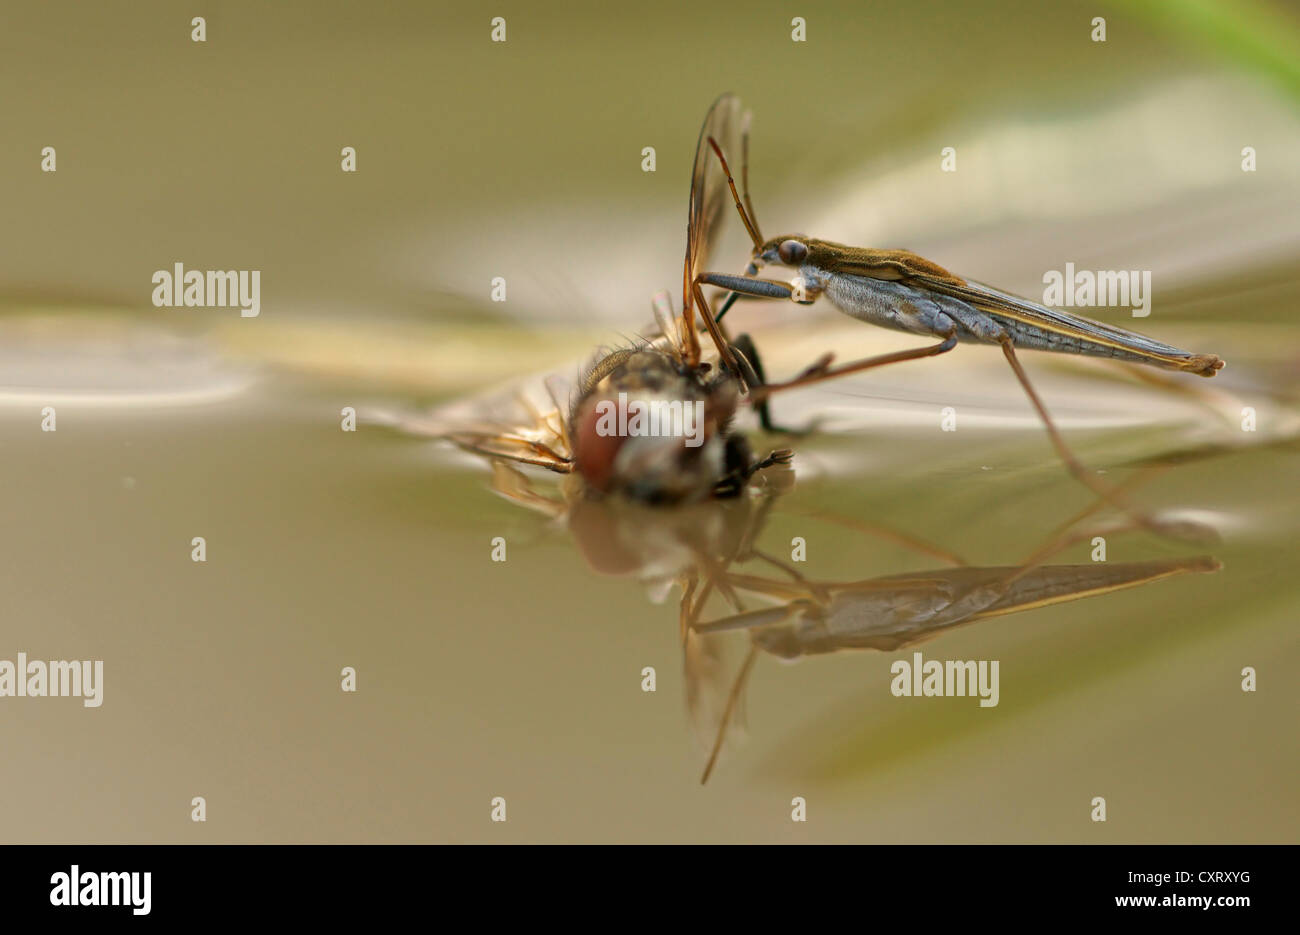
x: 897, y: 611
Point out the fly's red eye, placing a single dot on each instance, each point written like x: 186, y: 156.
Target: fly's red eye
x: 594, y: 449
x: 792, y: 252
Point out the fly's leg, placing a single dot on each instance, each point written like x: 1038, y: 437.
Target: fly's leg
x: 778, y: 456
x: 747, y: 357
x: 726, y: 307
x: 734, y: 482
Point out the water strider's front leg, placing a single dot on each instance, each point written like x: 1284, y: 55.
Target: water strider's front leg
x: 802, y: 292
x: 760, y: 288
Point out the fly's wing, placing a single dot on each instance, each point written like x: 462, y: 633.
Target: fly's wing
x: 525, y: 423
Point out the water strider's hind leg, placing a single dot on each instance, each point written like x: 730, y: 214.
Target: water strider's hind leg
x: 1074, y: 465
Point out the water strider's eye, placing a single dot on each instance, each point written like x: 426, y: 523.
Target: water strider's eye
x: 792, y: 252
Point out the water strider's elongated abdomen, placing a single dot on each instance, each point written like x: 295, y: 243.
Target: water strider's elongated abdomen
x: 922, y: 310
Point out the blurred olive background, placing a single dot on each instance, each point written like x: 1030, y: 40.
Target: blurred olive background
x: 523, y: 160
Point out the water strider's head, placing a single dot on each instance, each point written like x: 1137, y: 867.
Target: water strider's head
x: 790, y: 250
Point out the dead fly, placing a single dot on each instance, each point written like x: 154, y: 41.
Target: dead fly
x: 902, y: 291
x: 654, y: 422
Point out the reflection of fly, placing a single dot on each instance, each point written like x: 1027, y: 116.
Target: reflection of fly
x: 656, y: 468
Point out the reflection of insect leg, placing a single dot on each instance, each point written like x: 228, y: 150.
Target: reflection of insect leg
x: 1075, y: 467
x: 733, y: 698
x: 760, y: 618
x: 890, y: 535
x: 694, y: 598
x: 1068, y: 533
x: 694, y: 644
x: 514, y: 485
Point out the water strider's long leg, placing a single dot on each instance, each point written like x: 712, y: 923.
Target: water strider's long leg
x: 822, y: 371
x: 744, y: 167
x: 1104, y: 491
x: 719, y: 339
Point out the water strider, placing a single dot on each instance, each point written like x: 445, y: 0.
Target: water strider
x: 899, y: 290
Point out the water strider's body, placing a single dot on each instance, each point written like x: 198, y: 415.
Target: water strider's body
x: 900, y: 290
